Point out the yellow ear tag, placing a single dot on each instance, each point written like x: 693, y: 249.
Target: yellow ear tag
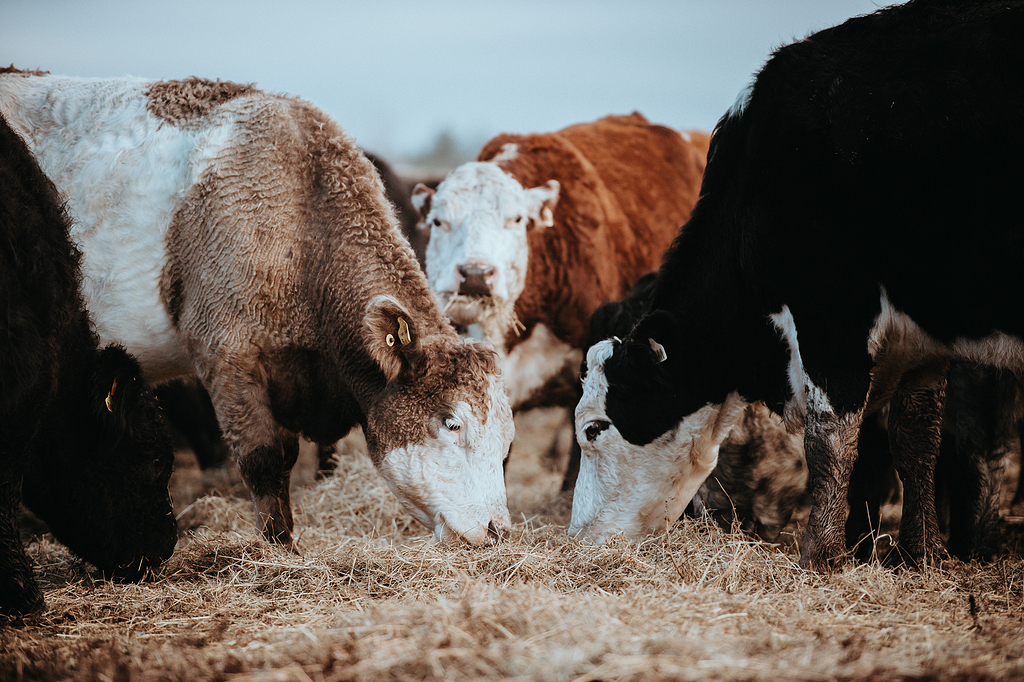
x: 108, y: 402
x: 403, y: 332
x: 390, y: 340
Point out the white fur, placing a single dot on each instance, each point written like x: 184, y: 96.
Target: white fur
x: 629, y: 490
x: 532, y: 363
x: 454, y: 483
x: 121, y: 235
x: 473, y: 219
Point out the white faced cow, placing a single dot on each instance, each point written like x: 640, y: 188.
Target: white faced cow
x: 244, y: 238
x: 529, y: 240
x: 859, y: 225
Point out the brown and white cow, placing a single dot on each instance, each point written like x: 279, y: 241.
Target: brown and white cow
x: 527, y: 241
x: 244, y: 238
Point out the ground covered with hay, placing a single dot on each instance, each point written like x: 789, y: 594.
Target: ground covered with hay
x: 372, y: 597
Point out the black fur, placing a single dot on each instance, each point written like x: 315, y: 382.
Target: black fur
x: 884, y: 151
x: 97, y: 476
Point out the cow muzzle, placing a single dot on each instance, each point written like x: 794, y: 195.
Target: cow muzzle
x: 476, y: 279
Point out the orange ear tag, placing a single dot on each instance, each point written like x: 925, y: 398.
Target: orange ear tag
x: 108, y: 402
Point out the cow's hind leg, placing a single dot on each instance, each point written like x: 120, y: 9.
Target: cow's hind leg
x: 985, y: 399
x: 915, y: 420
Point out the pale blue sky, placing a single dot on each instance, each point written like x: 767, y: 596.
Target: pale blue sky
x: 395, y: 73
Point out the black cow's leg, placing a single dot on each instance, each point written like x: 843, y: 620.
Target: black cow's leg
x: 19, y: 592
x: 266, y: 471
x: 915, y: 420
x: 985, y: 399
x: 830, y: 446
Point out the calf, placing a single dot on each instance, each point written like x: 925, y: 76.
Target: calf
x: 244, y: 238
x: 858, y: 227
x: 528, y: 240
x: 81, y: 442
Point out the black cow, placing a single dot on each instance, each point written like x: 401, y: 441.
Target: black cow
x: 859, y: 226
x: 81, y: 441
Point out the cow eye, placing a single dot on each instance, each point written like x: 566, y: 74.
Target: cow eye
x: 437, y: 222
x: 519, y: 219
x: 452, y: 425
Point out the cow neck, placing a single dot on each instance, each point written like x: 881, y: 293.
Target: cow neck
x: 722, y: 307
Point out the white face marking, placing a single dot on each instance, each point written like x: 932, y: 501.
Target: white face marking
x: 478, y: 218
x: 454, y: 484
x: 629, y: 490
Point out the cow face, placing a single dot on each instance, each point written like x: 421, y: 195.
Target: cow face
x: 633, y: 489
x: 101, y: 486
x: 441, y: 428
x: 477, y: 255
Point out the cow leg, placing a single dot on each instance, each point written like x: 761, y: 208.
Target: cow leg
x: 266, y: 471
x: 915, y: 420
x: 830, y: 446
x: 19, y: 592
x: 984, y: 398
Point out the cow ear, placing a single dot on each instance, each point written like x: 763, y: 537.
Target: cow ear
x: 657, y: 334
x: 116, y: 385
x: 390, y: 335
x: 421, y: 200
x: 541, y: 203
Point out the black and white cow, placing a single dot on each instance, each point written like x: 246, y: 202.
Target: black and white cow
x: 242, y: 237
x: 81, y: 440
x: 859, y: 226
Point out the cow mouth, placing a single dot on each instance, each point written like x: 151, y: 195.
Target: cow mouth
x: 467, y: 309
x: 477, y: 536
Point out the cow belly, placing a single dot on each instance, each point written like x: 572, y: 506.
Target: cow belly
x: 532, y: 364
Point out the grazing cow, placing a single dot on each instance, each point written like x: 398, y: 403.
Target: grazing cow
x: 244, y: 238
x: 760, y: 478
x: 186, y: 403
x: 527, y: 241
x: 858, y: 227
x: 81, y: 441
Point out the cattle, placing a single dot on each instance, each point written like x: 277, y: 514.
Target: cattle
x: 242, y: 237
x: 81, y: 441
x: 760, y: 478
x: 527, y: 241
x: 857, y: 229
x: 186, y: 403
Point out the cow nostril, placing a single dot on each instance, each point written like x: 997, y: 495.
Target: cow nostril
x: 592, y: 430
x: 495, y: 534
x: 475, y: 278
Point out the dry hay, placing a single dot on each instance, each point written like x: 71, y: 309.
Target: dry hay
x: 373, y: 597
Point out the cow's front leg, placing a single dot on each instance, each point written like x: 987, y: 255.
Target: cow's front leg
x: 915, y: 420
x: 19, y: 592
x: 830, y: 446
x: 266, y: 471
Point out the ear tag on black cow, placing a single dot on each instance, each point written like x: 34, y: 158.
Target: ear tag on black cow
x: 403, y: 332
x: 659, y: 351
x: 109, y: 401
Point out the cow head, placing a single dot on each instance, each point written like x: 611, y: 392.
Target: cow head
x: 630, y: 488
x: 477, y: 255
x: 441, y: 427
x: 100, y: 483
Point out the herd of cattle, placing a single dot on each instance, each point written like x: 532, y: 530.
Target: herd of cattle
x: 847, y: 261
